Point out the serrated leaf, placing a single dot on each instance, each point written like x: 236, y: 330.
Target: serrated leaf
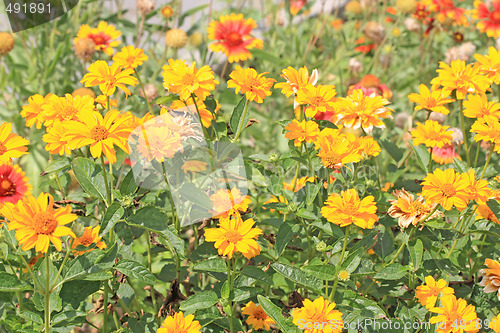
x: 57, y: 165
x: 31, y: 316
x: 90, y: 177
x: 135, y: 270
x: 296, y: 275
x: 394, y: 271
x: 212, y: 265
x: 113, y: 214
x: 422, y: 155
x: 201, y: 300
x: 10, y: 283
x: 257, y: 274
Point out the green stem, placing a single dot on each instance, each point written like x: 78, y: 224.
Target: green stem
x: 308, y: 238
x: 151, y: 287
x: 68, y: 251
x: 230, y: 270
x: 492, y: 147
x: 466, y: 136
x: 342, y: 254
x: 175, y: 218
x: 430, y: 160
x: 105, y: 309
x: 108, y: 190
x: 242, y: 124
x: 47, y: 294
x: 143, y: 90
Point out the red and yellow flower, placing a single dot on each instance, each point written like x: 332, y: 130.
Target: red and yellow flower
x: 104, y: 36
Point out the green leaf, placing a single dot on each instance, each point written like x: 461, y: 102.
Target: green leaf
x: 174, y: 242
x: 312, y: 190
x: 394, y: 271
x: 190, y: 12
x: 257, y: 274
x: 191, y: 192
x: 57, y: 165
x: 212, y: 265
x: 275, y: 313
x: 31, y: 316
x: 392, y: 149
x: 244, y: 293
x: 90, y: 177
x: 135, y: 270
x: 74, y: 293
x: 296, y: 275
x: 364, y: 307
x: 237, y: 122
x: 198, y: 301
x: 305, y: 214
x: 416, y: 253
x: 151, y: 218
x: 167, y: 99
x: 67, y: 315
x: 113, y: 214
x: 323, y: 272
x: 494, y: 206
x: 285, y: 234
x: 128, y: 185
x: 422, y: 156
x: 10, y: 283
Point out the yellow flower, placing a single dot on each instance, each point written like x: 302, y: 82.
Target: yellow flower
x: 184, y: 80
x: 33, y: 111
x: 103, y: 36
x: 302, y: 131
x: 431, y: 134
x: 369, y: 145
x: 346, y: 208
x: 428, y: 293
x: 495, y: 324
x: 360, y: 111
x: 90, y: 236
x: 317, y: 98
x: 446, y: 188
x: 103, y: 101
x: 318, y: 316
x: 100, y: 133
x: 409, y: 210
x: 490, y: 64
x: 461, y: 78
x: 477, y: 190
x: 36, y: 222
x: 300, y: 183
x: 109, y: 78
x: 255, y: 86
x: 257, y: 317
x: 206, y: 115
x: 66, y: 108
x: 233, y: 235
x: 433, y: 101
x: 158, y: 141
x: 11, y: 144
x: 491, y: 277
x: 296, y: 80
x: 130, y: 57
x: 178, y: 323
x: 484, y: 212
x: 229, y: 202
x: 453, y: 311
x: 487, y: 129
x: 57, y: 139
x: 478, y: 106
x: 336, y: 149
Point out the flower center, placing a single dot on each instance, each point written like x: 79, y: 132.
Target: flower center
x: 110, y: 79
x: 86, y: 241
x: 99, y: 133
x: 44, y: 223
x: 7, y: 188
x: 99, y: 38
x: 69, y: 112
x: 233, y: 237
x: 448, y: 190
x: 496, y: 16
x: 350, y: 209
x: 234, y: 39
x: 188, y: 79
x: 3, y: 149
x: 260, y: 314
x: 332, y: 159
x: 130, y: 60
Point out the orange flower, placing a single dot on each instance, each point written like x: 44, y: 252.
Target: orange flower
x: 433, y: 101
x: 300, y: 183
x: 11, y: 144
x: 487, y: 129
x: 13, y: 183
x: 158, y: 140
x: 477, y: 190
x: 66, y: 108
x: 453, y: 311
x: 303, y: 131
x: 431, y: 134
x: 130, y: 57
x: 428, y: 293
x: 296, y: 80
x: 490, y: 64
x: 178, y: 323
x: 109, y: 78
x: 336, y: 149
x: 446, y: 10
x: 257, y: 317
x: 484, y: 212
x: 229, y: 203
x: 369, y: 146
x: 232, y: 36
x: 255, y: 86
x: 489, y: 20
x: 314, y: 315
x: 446, y: 188
x: 409, y: 210
x: 317, y: 98
x: 33, y: 112
x: 491, y: 277
x: 90, y: 236
x: 104, y: 36
x: 347, y: 208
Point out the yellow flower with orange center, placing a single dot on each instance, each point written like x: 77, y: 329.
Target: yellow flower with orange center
x: 489, y: 65
x: 66, y: 108
x: 257, y: 317
x: 229, y: 202
x: 233, y: 235
x: 336, y: 149
x: 232, y: 37
x: 13, y: 183
x: 434, y: 101
x: 318, y: 314
x: 491, y: 277
x: 108, y: 78
x: 431, y: 134
x: 104, y: 36
x: 302, y: 131
x: 409, y: 210
x: 453, y: 311
x: 36, y: 222
x: 347, y: 208
x: 11, y: 144
x: 478, y: 106
x: 90, y: 236
x: 446, y: 188
x: 33, y: 111
x: 255, y: 86
x: 296, y: 80
x: 360, y: 111
x: 185, y: 80
x: 178, y: 323
x: 428, y: 293
x: 460, y: 78
x: 484, y: 212
x: 130, y: 57
x: 477, y: 190
x: 318, y: 99
x: 487, y: 129
x: 101, y: 133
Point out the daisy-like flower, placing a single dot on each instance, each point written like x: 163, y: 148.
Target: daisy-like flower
x: 347, y: 208
x: 66, y: 108
x: 56, y: 140
x: 104, y: 36
x: 478, y: 106
x: 446, y: 10
x: 178, y: 323
x: 167, y: 12
x: 184, y: 80
x: 13, y: 183
x: 337, y: 149
x: 319, y: 99
x: 434, y: 101
x: 495, y: 324
x: 460, y: 78
x: 369, y: 146
x: 229, y: 203
x: 233, y: 235
x: 158, y: 141
x: 488, y: 16
x: 316, y: 314
x: 300, y: 183
x: 206, y: 115
x: 33, y: 111
x: 130, y: 57
x: 446, y: 188
x: 428, y: 293
x: 490, y: 64
x: 296, y: 6
x: 90, y: 236
x: 255, y: 86
x: 102, y: 134
x: 453, y: 311
x: 409, y: 210
x: 232, y: 37
x: 477, y: 189
x: 36, y: 222
x: 11, y: 144
x: 484, y: 212
x: 491, y: 277
x: 431, y: 134
x: 487, y: 129
x: 302, y: 131
x: 108, y: 78
x: 360, y: 111
x: 296, y: 80
x: 257, y: 317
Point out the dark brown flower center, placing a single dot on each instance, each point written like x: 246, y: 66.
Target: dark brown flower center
x: 7, y: 188
x: 99, y: 133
